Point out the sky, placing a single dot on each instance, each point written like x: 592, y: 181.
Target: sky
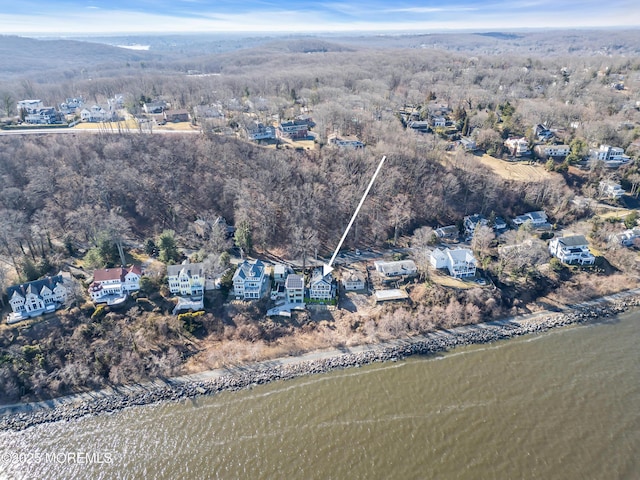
x: 102, y: 17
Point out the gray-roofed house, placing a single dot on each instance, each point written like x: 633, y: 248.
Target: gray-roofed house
x: 537, y: 219
x: 450, y: 232
x: 187, y: 279
x: 400, y: 268
x: 35, y: 298
x: 321, y: 286
x: 573, y: 249
x: 250, y: 281
x: 472, y: 221
x: 353, y: 280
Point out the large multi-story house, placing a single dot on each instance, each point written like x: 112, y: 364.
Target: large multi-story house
x: 294, y: 288
x: 555, y: 151
x: 111, y: 285
x: 353, y: 280
x: 611, y: 156
x: 35, y: 298
x: 321, y: 286
x: 29, y: 105
x: 70, y: 105
x: 459, y: 262
x: 295, y: 129
x: 43, y: 116
x: 250, y: 281
x: 470, y: 223
x: 96, y: 114
x: 259, y: 131
x: 611, y: 189
x: 572, y: 250
x: 518, y: 147
x: 187, y: 279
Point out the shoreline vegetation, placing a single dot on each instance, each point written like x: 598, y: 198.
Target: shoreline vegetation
x: 21, y: 416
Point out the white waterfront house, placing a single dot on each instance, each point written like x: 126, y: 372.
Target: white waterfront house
x: 460, y: 262
x: 352, y: 280
x: 612, y: 157
x: 321, y: 286
x: 573, y: 249
x: 113, y: 284
x: 250, y: 281
x: 187, y: 279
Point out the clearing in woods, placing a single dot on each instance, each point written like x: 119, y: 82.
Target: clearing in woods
x: 520, y: 171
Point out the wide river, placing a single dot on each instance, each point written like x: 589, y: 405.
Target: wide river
x: 561, y: 405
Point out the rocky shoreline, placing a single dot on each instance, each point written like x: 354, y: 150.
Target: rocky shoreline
x: 26, y: 415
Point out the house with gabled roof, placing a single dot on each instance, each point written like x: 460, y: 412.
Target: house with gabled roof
x: 321, y: 286
x: 472, y: 221
x: 35, y: 298
x: 96, y: 113
x: 156, y: 107
x: 401, y: 268
x: 450, y: 232
x: 250, y: 281
x: 187, y: 279
x: 573, y: 249
x: 353, y: 280
x: 176, y: 116
x: 112, y: 285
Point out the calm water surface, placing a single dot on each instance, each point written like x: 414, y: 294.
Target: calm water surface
x: 562, y: 405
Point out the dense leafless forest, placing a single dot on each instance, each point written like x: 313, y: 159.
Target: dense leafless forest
x: 64, y: 193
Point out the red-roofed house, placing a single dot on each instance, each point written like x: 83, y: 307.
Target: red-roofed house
x: 111, y: 284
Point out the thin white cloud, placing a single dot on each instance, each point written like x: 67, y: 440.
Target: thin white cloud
x: 98, y: 21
